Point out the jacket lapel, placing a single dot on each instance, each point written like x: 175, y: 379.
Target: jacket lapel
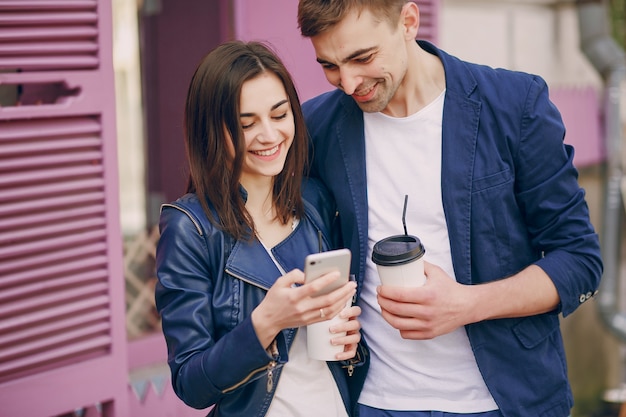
x: 459, y: 131
x: 250, y: 262
x: 351, y: 138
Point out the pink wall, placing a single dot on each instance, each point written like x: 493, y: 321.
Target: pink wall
x: 150, y: 391
x: 581, y: 112
x: 275, y: 21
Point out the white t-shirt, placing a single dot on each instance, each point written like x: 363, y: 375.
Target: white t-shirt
x: 403, y: 157
x: 306, y: 387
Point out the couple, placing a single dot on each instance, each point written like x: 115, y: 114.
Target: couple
x: 494, y: 199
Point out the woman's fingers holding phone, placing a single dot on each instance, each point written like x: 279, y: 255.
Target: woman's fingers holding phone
x: 314, y: 287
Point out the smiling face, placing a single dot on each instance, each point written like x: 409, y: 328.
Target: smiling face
x: 268, y: 128
x: 365, y: 57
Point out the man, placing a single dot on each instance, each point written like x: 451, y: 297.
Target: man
x: 493, y: 196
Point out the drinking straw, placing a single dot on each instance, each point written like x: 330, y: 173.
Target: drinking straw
x: 406, y: 197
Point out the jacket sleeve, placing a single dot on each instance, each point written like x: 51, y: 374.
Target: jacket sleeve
x: 203, y: 366
x: 554, y: 204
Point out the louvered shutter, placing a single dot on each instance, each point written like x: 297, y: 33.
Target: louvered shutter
x: 62, y: 335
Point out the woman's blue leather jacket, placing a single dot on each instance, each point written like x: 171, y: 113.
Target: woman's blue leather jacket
x: 209, y: 284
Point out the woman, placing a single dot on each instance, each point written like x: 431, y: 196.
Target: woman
x: 233, y: 316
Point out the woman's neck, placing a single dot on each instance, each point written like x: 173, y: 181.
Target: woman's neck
x: 260, y: 205
x: 259, y: 202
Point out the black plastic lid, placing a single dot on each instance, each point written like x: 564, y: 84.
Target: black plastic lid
x: 397, y: 250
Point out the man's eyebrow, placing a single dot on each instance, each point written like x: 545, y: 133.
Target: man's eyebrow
x: 353, y: 55
x: 274, y: 107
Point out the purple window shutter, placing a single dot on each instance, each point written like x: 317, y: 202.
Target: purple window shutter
x: 62, y: 309
x: 429, y: 20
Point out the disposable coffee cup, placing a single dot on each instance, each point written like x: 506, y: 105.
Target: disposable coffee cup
x: 399, y: 260
x: 318, y: 338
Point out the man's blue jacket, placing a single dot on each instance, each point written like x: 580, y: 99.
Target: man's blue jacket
x: 511, y: 198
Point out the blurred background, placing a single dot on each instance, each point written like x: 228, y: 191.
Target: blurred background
x: 91, y: 104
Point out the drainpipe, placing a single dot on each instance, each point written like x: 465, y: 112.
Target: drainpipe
x: 608, y: 59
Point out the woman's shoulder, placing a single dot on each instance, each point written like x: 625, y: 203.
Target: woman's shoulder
x: 188, y: 204
x: 187, y: 208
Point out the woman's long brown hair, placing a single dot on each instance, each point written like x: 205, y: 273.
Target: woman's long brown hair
x: 212, y: 109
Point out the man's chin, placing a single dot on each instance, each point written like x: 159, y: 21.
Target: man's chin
x: 370, y: 106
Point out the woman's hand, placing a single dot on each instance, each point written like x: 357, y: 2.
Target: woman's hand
x: 290, y: 303
x: 352, y: 328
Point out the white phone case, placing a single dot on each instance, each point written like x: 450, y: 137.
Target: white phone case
x: 318, y: 264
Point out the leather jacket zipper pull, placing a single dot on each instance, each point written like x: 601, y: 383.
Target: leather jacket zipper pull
x: 272, y: 350
x: 270, y: 376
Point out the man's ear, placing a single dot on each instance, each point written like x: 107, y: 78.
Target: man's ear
x: 410, y: 20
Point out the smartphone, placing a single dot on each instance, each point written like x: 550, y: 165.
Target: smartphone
x: 318, y: 264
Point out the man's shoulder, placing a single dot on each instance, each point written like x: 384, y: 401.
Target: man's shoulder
x: 323, y: 101
x: 490, y: 76
x: 316, y: 193
x: 465, y: 74
x: 319, y: 203
x: 329, y: 109
x: 505, y: 75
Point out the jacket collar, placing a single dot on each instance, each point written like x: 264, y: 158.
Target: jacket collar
x: 251, y: 262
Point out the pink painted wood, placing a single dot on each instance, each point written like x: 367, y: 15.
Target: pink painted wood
x: 580, y: 110
x: 150, y: 390
x: 62, y: 308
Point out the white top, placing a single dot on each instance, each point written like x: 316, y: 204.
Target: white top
x: 306, y: 387
x: 403, y: 157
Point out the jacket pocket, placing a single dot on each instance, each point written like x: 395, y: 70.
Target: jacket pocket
x: 533, y: 330
x: 491, y: 181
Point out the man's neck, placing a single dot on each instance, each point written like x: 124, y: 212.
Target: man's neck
x: 424, y: 81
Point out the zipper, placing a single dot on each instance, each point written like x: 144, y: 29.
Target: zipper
x: 350, y: 366
x: 246, y: 379
x: 270, y: 375
x: 247, y: 281
x: 272, y: 350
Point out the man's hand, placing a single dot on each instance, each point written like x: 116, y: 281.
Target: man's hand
x: 442, y: 305
x: 438, y: 307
